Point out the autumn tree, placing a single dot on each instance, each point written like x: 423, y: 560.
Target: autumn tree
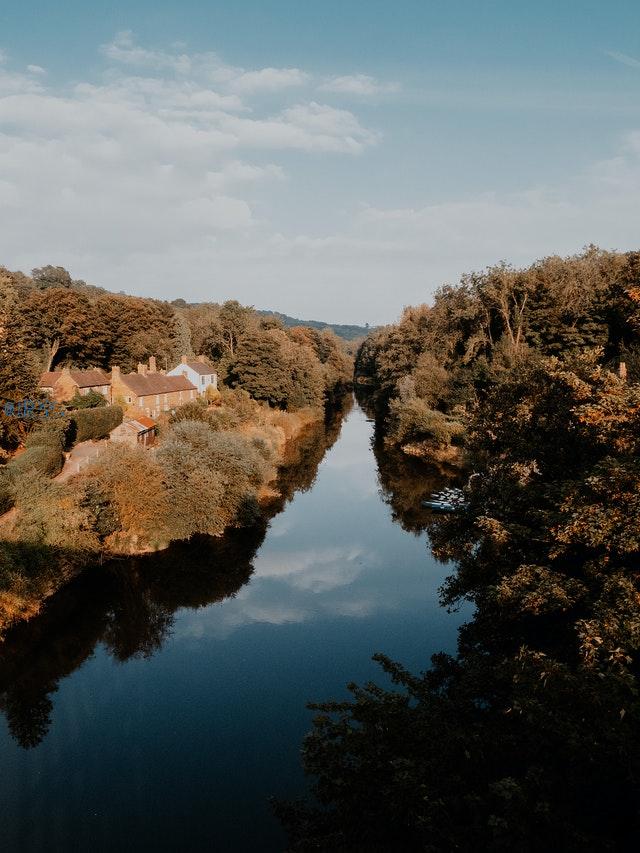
x: 63, y: 325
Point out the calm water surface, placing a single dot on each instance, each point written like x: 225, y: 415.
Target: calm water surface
x: 160, y: 713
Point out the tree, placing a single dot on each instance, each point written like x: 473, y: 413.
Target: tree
x: 260, y: 367
x: 63, y: 324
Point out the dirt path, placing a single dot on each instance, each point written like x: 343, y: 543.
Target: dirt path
x: 81, y: 455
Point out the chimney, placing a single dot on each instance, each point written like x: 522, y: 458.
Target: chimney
x: 152, y: 364
x: 184, y: 359
x: 202, y: 359
x: 142, y: 368
x: 622, y: 371
x: 66, y: 371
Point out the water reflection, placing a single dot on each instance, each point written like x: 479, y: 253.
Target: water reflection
x: 129, y: 605
x: 197, y: 665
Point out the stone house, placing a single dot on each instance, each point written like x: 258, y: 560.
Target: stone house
x: 198, y: 371
x: 63, y: 384
x: 150, y: 392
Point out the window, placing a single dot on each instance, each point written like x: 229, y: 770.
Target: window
x: 141, y: 401
x: 202, y: 380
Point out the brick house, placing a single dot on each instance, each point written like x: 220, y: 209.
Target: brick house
x: 198, y: 371
x: 149, y: 392
x: 63, y: 384
x: 141, y: 430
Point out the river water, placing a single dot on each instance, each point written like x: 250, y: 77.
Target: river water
x: 157, y: 705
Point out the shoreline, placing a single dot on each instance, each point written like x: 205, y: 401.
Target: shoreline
x: 26, y: 599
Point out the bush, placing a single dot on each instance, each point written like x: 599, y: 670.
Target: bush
x: 412, y: 420
x: 52, y: 433
x: 95, y: 423
x: 92, y: 400
x: 45, y: 459
x: 195, y: 410
x: 6, y: 492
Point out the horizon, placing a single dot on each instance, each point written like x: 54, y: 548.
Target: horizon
x: 227, y: 153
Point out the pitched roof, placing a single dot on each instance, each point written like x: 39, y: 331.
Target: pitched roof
x: 156, y: 383
x: 49, y: 378
x: 82, y: 378
x: 200, y: 367
x: 146, y: 422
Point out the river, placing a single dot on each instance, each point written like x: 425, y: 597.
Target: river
x: 158, y: 706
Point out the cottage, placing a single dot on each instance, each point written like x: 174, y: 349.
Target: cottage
x: 198, y: 371
x: 140, y: 430
x: 149, y: 392
x: 64, y: 384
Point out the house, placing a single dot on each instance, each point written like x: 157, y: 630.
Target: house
x: 140, y: 430
x: 64, y: 384
x: 149, y: 392
x: 198, y: 371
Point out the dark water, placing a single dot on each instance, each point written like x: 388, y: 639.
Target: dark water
x: 157, y: 705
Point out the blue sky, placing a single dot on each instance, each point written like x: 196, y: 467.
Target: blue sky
x: 334, y: 160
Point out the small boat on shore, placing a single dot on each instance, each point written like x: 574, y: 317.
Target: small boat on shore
x: 446, y: 500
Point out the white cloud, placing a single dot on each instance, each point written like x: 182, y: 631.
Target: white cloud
x: 36, y: 69
x: 357, y: 84
x: 623, y: 58
x: 124, y: 49
x: 269, y: 80
x: 162, y: 178
x: 203, y: 66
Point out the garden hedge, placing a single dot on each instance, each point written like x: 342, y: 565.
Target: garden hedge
x: 95, y: 423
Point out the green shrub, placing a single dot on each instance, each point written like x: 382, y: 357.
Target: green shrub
x: 45, y: 459
x: 95, y: 423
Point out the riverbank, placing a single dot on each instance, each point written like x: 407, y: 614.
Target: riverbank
x: 212, y: 470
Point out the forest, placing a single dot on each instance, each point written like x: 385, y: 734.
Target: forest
x: 528, y: 738
x: 216, y: 459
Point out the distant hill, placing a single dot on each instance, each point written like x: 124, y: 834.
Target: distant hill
x: 348, y: 333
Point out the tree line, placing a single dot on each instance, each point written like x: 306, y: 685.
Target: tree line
x: 49, y: 320
x: 428, y: 372
x: 528, y: 738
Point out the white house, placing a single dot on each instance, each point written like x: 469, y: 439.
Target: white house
x: 197, y: 371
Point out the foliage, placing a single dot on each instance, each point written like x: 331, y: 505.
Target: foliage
x: 91, y: 400
x: 6, y: 491
x: 46, y: 459
x: 55, y: 432
x: 95, y: 423
x: 497, y: 322
x: 529, y: 738
x: 412, y: 420
x: 125, y: 491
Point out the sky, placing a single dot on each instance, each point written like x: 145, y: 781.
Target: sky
x: 332, y: 161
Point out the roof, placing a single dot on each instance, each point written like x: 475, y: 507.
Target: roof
x: 146, y: 422
x: 138, y: 425
x: 198, y: 366
x: 82, y: 378
x: 156, y: 383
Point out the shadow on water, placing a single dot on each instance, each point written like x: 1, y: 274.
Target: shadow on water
x: 128, y: 605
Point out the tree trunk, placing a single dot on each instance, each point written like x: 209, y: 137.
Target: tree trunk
x: 53, y: 351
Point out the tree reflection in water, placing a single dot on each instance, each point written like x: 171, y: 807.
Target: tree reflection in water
x: 128, y: 605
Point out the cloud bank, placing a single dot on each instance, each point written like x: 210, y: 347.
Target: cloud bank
x: 166, y: 176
